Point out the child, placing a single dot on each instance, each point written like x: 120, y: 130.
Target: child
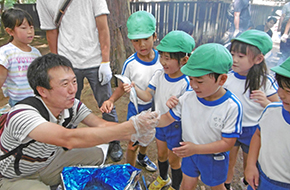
x: 210, y: 116
x: 173, y: 50
x: 270, y: 143
x: 250, y: 82
x: 16, y: 56
x: 139, y: 67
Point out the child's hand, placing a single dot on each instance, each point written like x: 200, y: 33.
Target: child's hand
x: 107, y: 106
x: 172, y: 102
x: 260, y: 97
x: 252, y: 176
x: 127, y: 87
x: 186, y: 149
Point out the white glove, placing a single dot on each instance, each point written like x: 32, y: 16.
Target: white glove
x: 236, y: 32
x: 144, y: 123
x: 145, y: 139
x: 284, y: 38
x: 105, y: 73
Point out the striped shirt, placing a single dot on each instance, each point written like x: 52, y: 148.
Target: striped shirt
x: 22, y: 119
x: 16, y: 62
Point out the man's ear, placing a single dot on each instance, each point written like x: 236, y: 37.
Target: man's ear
x: 223, y: 79
x: 258, y: 59
x: 42, y: 91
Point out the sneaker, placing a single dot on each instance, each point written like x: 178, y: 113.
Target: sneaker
x: 147, y: 163
x: 115, y: 151
x: 159, y: 183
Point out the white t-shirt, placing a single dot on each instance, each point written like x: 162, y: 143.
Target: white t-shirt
x: 204, y: 121
x: 78, y: 38
x: 165, y: 87
x: 21, y: 121
x: 140, y: 71
x: 251, y: 110
x: 275, y: 152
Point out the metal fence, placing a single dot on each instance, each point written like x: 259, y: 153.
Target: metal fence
x: 209, y: 18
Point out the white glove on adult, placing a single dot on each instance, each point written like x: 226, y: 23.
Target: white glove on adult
x: 145, y: 139
x: 284, y: 38
x: 105, y: 73
x: 236, y: 32
x: 144, y: 123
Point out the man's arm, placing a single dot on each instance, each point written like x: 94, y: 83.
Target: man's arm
x: 52, y: 36
x: 280, y: 22
x: 104, y: 36
x: 55, y: 134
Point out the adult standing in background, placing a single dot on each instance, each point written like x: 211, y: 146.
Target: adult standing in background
x: 83, y: 37
x: 242, y: 16
x: 284, y: 43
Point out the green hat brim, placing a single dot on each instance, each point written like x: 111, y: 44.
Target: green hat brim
x: 281, y: 71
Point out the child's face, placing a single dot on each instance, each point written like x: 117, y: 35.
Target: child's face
x: 205, y: 86
x: 241, y: 63
x: 170, y: 66
x: 144, y: 46
x: 23, y: 34
x: 284, y: 95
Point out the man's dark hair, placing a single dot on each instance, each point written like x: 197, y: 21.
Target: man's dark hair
x: 272, y: 18
x: 186, y: 26
x: 37, y: 73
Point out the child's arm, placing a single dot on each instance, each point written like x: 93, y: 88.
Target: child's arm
x: 261, y: 98
x: 172, y: 102
x: 188, y: 148
x: 109, y: 104
x: 251, y: 171
x: 3, y: 75
x: 144, y: 95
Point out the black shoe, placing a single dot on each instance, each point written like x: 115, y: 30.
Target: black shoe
x: 115, y: 151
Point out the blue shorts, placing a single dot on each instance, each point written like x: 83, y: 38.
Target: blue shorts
x: 269, y: 184
x: 212, y: 168
x: 132, y: 111
x: 245, y: 139
x: 172, y: 134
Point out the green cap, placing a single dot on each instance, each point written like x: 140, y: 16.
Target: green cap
x: 176, y: 41
x: 208, y: 58
x: 283, y: 69
x: 141, y: 24
x: 257, y: 38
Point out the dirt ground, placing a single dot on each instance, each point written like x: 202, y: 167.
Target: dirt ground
x: 121, y: 108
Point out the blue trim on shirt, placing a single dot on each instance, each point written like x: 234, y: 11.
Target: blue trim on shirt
x: 240, y: 76
x: 231, y: 135
x: 169, y: 79
x: 174, y: 116
x: 147, y: 63
x: 273, y: 82
x: 130, y: 59
x: 286, y: 115
x: 215, y: 102
x: 152, y: 87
